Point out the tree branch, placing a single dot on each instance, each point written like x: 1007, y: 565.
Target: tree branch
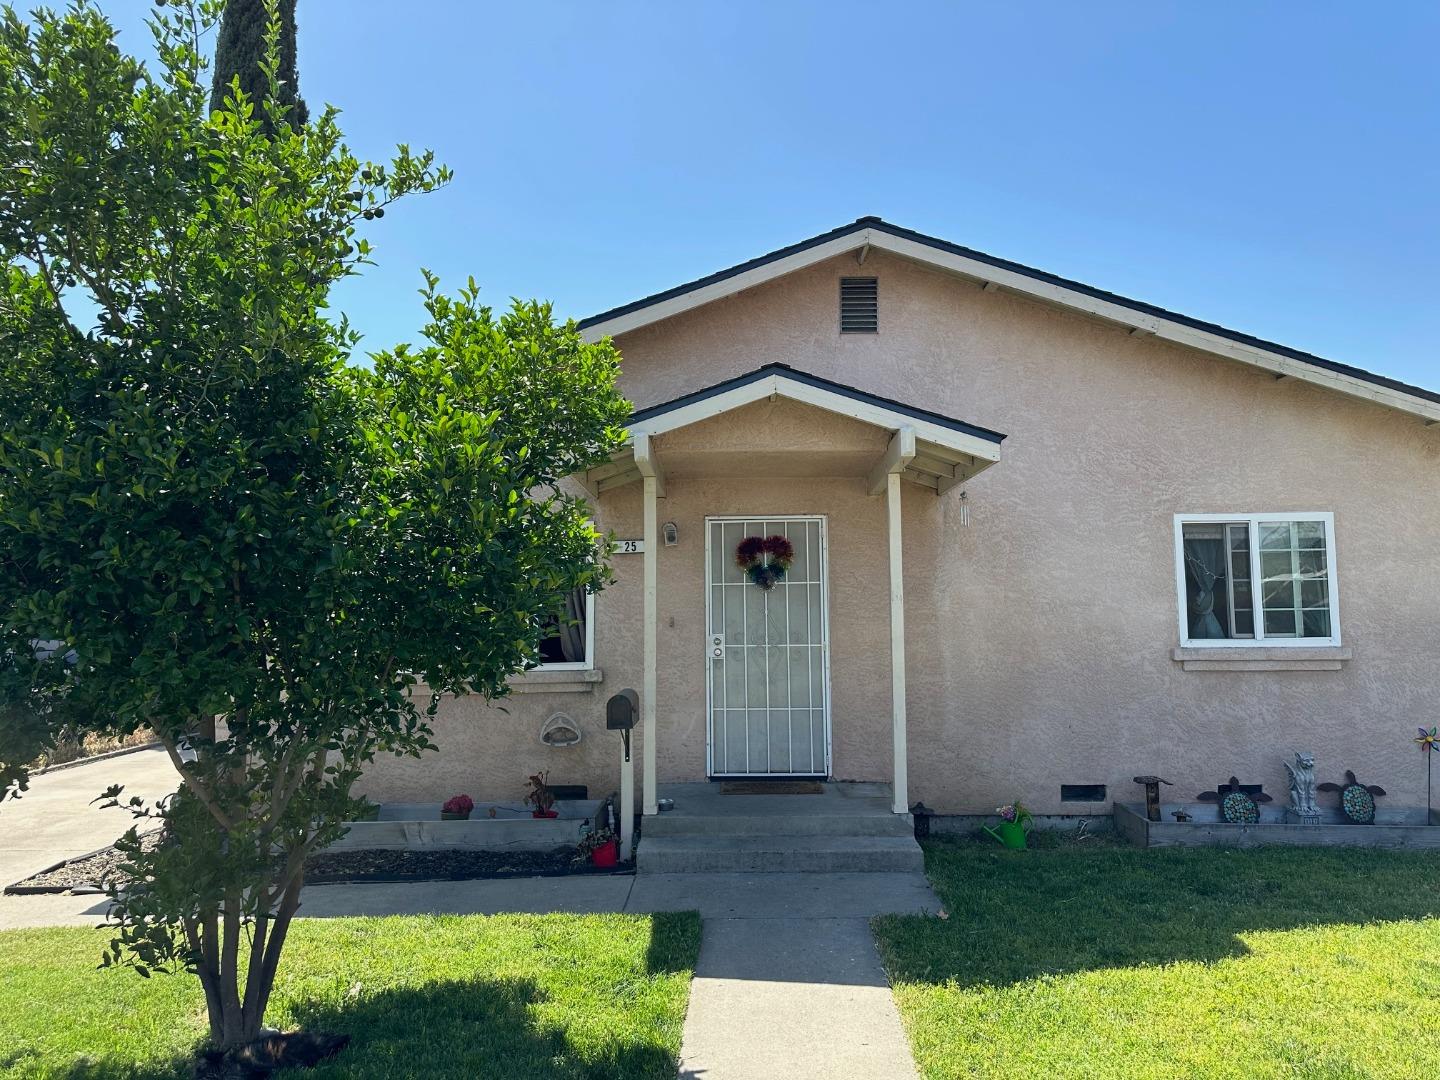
x: 197, y: 786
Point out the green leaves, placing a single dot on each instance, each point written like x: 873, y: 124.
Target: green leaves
x: 213, y: 526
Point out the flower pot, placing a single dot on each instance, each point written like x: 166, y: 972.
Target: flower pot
x: 1011, y: 833
x: 544, y: 813
x: 459, y: 815
x: 606, y: 854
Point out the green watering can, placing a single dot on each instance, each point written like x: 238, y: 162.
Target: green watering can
x: 1011, y: 833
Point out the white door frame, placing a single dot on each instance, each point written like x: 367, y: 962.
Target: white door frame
x: 722, y: 519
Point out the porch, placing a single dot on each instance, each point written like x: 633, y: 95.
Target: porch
x: 769, y: 435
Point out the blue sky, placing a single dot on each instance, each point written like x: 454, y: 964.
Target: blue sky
x: 1274, y: 167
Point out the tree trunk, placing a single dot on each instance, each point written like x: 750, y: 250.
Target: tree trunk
x: 236, y: 1016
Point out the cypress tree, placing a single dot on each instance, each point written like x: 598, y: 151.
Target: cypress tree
x: 241, y: 47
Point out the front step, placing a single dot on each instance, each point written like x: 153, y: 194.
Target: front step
x: 881, y: 823
x: 776, y: 853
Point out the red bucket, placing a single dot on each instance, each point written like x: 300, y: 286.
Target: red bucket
x: 606, y: 854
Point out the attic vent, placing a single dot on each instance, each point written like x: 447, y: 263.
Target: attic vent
x: 859, y: 305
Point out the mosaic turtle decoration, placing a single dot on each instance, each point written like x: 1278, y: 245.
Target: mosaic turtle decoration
x: 1357, y: 800
x: 1237, y: 806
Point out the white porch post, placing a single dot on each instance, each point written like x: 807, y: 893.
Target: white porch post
x: 652, y: 615
x: 627, y: 801
x: 897, y: 644
x: 653, y: 481
x: 886, y: 477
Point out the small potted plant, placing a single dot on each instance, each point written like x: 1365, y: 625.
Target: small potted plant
x: 1015, y: 824
x: 601, y: 845
x: 457, y: 808
x: 541, y: 797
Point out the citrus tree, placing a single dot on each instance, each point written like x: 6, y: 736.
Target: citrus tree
x: 215, y: 526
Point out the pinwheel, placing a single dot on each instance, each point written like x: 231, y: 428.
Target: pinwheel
x: 1427, y: 741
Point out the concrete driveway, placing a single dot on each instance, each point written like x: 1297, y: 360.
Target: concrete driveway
x: 55, y: 820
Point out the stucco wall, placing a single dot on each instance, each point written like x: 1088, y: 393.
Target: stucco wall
x: 1040, y: 635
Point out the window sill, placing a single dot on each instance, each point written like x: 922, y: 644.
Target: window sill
x: 568, y: 681
x: 1263, y: 658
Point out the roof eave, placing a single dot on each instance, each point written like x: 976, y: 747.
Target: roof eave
x: 1135, y: 315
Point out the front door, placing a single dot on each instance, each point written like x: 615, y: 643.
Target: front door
x: 768, y: 654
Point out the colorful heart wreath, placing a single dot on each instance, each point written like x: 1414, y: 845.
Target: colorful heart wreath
x: 764, y: 561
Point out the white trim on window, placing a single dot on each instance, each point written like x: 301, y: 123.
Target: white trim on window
x: 1260, y: 639
x: 588, y: 664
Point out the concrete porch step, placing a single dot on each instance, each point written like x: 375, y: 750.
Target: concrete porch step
x: 880, y: 823
x: 776, y: 854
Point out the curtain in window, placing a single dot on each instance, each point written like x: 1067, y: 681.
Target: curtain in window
x: 1205, y: 580
x: 572, y: 627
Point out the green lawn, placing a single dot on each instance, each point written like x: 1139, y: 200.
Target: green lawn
x: 489, y: 998
x: 1095, y: 962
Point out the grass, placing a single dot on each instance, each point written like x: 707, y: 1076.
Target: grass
x: 492, y: 997
x: 1107, y: 962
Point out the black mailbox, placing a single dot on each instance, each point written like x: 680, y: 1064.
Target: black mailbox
x: 620, y: 715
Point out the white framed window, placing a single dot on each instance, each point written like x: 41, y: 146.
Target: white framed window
x: 570, y: 643
x: 1257, y: 579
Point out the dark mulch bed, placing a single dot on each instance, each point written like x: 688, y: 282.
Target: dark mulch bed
x: 87, y: 873
x: 82, y: 874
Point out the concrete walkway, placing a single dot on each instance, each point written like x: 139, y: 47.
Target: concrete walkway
x: 792, y: 999
x: 54, y: 818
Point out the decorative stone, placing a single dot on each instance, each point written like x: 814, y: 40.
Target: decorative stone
x: 1238, y: 802
x: 1357, y: 800
x: 560, y: 730
x: 1303, y: 810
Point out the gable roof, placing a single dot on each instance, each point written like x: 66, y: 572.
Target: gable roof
x: 1141, y: 317
x: 782, y: 378
x: 929, y: 448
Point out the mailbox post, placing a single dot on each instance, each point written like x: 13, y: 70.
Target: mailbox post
x: 621, y: 713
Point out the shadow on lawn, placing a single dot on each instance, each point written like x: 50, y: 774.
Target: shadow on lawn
x: 1014, y: 916
x: 110, y: 1069
x: 459, y: 1029
x: 465, y: 1029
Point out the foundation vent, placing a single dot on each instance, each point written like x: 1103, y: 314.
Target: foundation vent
x: 859, y: 305
x: 1082, y: 792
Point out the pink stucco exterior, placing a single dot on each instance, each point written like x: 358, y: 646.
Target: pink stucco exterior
x: 1040, y: 636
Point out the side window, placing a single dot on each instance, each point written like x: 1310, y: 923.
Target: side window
x: 1257, y: 578
x: 571, y: 642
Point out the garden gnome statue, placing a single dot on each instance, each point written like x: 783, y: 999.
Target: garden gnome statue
x: 1302, y: 789
x: 1152, y: 795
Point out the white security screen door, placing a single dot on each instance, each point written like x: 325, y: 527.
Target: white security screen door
x: 768, y: 654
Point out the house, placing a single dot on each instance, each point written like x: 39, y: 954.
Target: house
x: 1041, y: 539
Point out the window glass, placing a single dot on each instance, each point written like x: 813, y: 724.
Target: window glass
x: 1226, y: 565
x: 1218, y: 591
x: 568, y: 636
x: 1295, y: 579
